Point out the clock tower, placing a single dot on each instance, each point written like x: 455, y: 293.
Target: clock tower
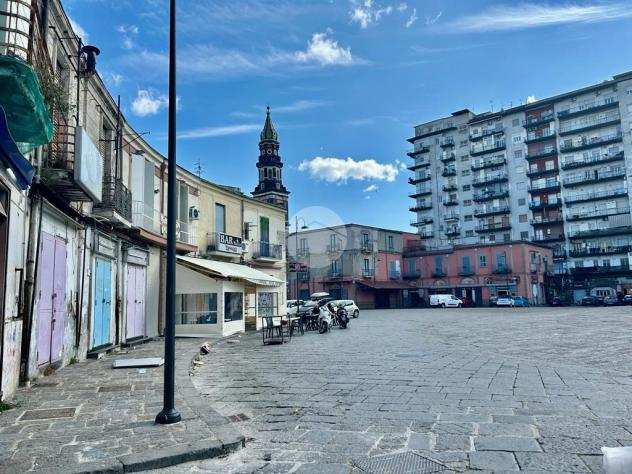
x: 270, y: 188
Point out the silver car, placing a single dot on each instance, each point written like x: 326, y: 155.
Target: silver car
x: 349, y: 305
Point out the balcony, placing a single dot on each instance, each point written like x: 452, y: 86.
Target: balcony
x: 601, y: 231
x: 584, y: 143
x: 451, y: 216
x: 303, y: 276
x: 419, y: 179
x: 594, y: 177
x: 466, y: 272
x: 501, y: 270
x: 430, y: 133
x: 585, y: 251
x: 302, y: 252
x: 438, y: 273
x: 366, y: 247
x: 492, y: 227
x: 266, y: 251
x: 448, y: 171
x: 547, y: 220
x: 453, y: 231
x: 422, y: 222
x: 450, y: 202
x: 543, y: 239
x: 448, y: 157
x: 424, y: 206
x: 150, y: 225
x: 595, y: 195
x: 534, y: 121
x: 488, y: 163
x: 333, y: 248
x: 593, y: 160
x: 595, y: 106
x: 368, y: 272
x: 116, y: 202
x: 597, y: 122
x: 491, y: 178
x: 422, y: 150
x: 411, y: 274
x: 539, y: 173
x: 480, y: 150
x: 541, y: 152
x: 449, y: 187
x: 612, y: 270
x: 428, y: 234
x: 547, y: 185
x: 486, y: 132
x: 447, y: 142
x: 419, y: 164
x: 420, y: 193
x: 488, y: 195
x: 491, y: 211
x: 394, y: 275
x: 412, y: 248
x: 596, y: 213
x: 540, y: 205
x: 559, y: 253
x: 333, y: 274
x: 539, y: 136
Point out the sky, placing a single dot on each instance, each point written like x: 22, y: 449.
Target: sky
x: 346, y: 80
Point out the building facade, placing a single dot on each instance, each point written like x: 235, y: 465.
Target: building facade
x: 553, y: 172
x: 83, y: 202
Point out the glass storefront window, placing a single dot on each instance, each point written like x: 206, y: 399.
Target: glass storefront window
x: 199, y: 308
x: 233, y: 306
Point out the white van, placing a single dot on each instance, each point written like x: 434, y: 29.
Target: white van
x: 445, y: 301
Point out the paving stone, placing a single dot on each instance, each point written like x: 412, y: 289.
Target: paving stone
x: 493, y: 461
x: 506, y: 429
x: 550, y: 462
x: 505, y: 443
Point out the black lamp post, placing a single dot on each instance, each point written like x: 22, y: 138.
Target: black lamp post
x: 169, y: 414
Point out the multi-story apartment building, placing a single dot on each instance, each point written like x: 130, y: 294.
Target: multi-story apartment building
x: 553, y: 171
x: 352, y: 261
x: 83, y: 203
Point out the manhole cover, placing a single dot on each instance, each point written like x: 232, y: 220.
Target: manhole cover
x: 44, y: 414
x: 238, y: 417
x: 115, y: 388
x: 401, y: 463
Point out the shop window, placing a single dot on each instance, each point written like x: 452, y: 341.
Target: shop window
x: 200, y: 308
x: 267, y: 304
x: 233, y: 306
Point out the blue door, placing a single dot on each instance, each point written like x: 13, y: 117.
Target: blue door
x: 102, y: 303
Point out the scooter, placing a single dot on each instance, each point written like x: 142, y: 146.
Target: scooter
x: 324, y: 319
x: 342, y: 318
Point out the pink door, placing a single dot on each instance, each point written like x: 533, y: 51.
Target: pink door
x: 135, y: 300
x: 52, y: 295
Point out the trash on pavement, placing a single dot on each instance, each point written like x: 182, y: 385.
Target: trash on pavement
x: 141, y: 362
x: 617, y: 460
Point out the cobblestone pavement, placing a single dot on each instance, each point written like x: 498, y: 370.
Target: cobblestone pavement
x: 89, y: 412
x: 536, y: 389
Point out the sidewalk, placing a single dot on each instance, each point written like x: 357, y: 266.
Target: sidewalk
x: 89, y: 417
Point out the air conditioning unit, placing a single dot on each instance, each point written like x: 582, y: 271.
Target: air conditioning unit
x: 194, y: 213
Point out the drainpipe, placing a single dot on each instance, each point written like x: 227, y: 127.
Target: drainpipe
x: 44, y: 22
x: 81, y: 290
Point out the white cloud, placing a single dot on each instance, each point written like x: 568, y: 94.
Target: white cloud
x: 79, y: 31
x: 127, y: 31
x: 370, y: 188
x: 296, y: 106
x: 114, y: 79
x: 402, y: 7
x: 148, y: 103
x: 221, y: 131
x: 325, y: 51
x: 339, y: 170
x: 531, y: 15
x: 366, y: 12
x: 411, y: 19
x: 431, y: 20
x: 531, y: 99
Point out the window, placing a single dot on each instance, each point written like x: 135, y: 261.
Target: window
x: 411, y: 264
x: 466, y: 187
x: 332, y: 242
x: 365, y: 239
x: 522, y: 201
x: 438, y: 264
x: 233, y: 306
x: 390, y: 243
x: 367, y: 265
x: 335, y: 268
x: 482, y: 260
x: 463, y: 143
x: 469, y: 233
x: 465, y: 158
x: 465, y: 173
x: 515, y: 122
x: 268, y: 303
x: 501, y: 260
x: 519, y: 169
x: 468, y: 217
x: 524, y: 235
x: 517, y: 139
x: 303, y: 243
x: 220, y: 218
x: 507, y: 237
x: 467, y: 202
x: 492, y: 238
x: 465, y: 264
x: 200, y: 308
x: 523, y: 217
x: 517, y: 154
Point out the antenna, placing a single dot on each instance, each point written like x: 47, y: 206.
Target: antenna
x: 198, y: 168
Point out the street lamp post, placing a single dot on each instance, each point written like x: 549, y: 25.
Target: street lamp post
x: 169, y: 414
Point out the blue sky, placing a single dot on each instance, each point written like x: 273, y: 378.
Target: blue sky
x: 346, y: 80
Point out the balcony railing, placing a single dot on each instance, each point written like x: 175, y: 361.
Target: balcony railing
x: 496, y: 146
x: 466, y: 271
x: 584, y: 143
x: 534, y: 121
x: 449, y: 187
x: 419, y: 179
x: 266, y: 250
x: 419, y: 164
x: 447, y: 142
x: 420, y: 192
x: 450, y: 216
x: 595, y: 195
x: 302, y: 252
x: 429, y: 131
x: 453, y: 231
x: 146, y: 217
x: 448, y: 171
x: 422, y: 206
x: 490, y: 194
x: 595, y: 213
x: 502, y: 270
x: 542, y: 135
x: 337, y: 247
x: 366, y: 247
x: 489, y: 179
x: 541, y: 220
x: 551, y: 203
x: 588, y: 108
x: 541, y: 152
x: 607, y: 249
x: 485, y: 132
x: 394, y: 275
x: 303, y: 276
x: 571, y: 162
x: 438, y: 273
x: 536, y: 173
x: 601, y: 270
x: 488, y: 163
x: 596, y: 122
x: 116, y: 197
x: 602, y: 230
x: 547, y: 185
x: 549, y: 238
x: 334, y: 273
x: 450, y: 202
x: 368, y: 272
x: 594, y: 177
x: 426, y: 234
x: 411, y: 274
x: 421, y: 222
x: 448, y: 157
x: 490, y: 211
x: 493, y: 227
x: 414, y: 153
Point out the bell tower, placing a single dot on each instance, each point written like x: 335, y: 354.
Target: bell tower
x: 270, y: 188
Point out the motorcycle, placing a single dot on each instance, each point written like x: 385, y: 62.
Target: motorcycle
x: 342, y: 318
x: 324, y: 319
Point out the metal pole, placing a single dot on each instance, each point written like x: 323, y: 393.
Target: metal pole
x: 296, y: 252
x: 169, y: 414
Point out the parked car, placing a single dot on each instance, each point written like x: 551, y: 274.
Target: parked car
x: 445, y: 301
x: 591, y: 301
x: 520, y: 301
x: 504, y: 301
x: 319, y: 295
x: 557, y: 301
x: 349, y: 305
x: 627, y: 300
x: 293, y: 306
x: 611, y: 300
x: 467, y: 302
x: 493, y: 300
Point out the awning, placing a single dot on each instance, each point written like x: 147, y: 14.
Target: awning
x: 230, y: 270
x: 387, y: 285
x: 22, y: 99
x: 11, y: 156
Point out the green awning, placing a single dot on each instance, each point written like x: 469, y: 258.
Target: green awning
x: 22, y: 99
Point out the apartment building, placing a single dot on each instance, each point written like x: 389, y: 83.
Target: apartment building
x: 83, y: 202
x: 352, y: 261
x: 553, y: 172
